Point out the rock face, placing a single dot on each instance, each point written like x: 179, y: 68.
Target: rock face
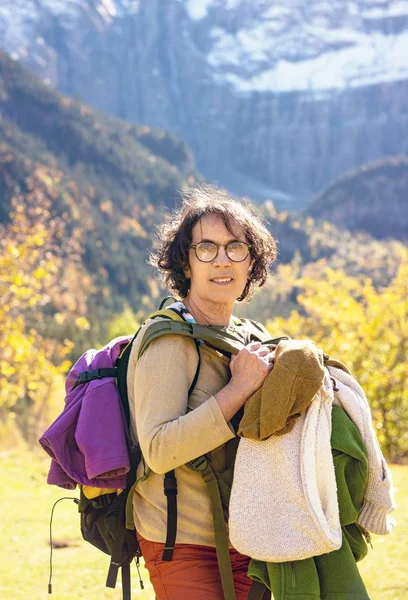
x: 275, y: 101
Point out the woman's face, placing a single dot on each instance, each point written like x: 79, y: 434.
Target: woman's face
x: 222, y: 280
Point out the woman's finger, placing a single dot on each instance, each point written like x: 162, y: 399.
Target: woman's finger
x: 253, y: 346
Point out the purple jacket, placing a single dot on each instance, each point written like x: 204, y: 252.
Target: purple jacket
x: 87, y: 442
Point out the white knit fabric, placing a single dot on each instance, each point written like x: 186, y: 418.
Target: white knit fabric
x: 379, y: 495
x: 284, y: 498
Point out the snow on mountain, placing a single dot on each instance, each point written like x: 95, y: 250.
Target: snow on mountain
x: 197, y: 9
x: 257, y: 45
x: 372, y: 59
x: 381, y: 10
x: 316, y: 47
x: 21, y: 20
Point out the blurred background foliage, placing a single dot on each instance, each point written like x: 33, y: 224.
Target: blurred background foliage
x: 366, y: 328
x: 81, y: 195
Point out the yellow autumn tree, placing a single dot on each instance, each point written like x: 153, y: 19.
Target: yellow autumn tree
x: 367, y: 329
x: 30, y: 265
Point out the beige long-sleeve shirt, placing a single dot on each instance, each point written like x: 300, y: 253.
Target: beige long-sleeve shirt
x: 170, y: 436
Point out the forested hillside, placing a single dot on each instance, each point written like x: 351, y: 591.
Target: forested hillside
x: 372, y: 198
x: 111, y: 180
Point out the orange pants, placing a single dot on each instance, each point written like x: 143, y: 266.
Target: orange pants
x: 193, y: 573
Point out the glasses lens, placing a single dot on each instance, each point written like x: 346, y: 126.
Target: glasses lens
x: 206, y: 251
x: 237, y: 251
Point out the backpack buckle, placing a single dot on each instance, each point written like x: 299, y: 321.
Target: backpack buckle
x: 199, y: 464
x: 86, y: 376
x: 170, y: 485
x: 103, y: 500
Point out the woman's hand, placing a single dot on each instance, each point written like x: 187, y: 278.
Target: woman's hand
x: 248, y: 371
x: 250, y: 367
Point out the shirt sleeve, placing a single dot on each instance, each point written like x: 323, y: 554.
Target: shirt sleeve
x: 169, y: 436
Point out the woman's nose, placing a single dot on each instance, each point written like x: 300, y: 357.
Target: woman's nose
x: 222, y: 257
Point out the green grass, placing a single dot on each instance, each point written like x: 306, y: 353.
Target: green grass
x: 385, y: 569
x: 80, y: 570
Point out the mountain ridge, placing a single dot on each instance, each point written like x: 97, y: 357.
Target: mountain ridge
x: 372, y: 198
x: 274, y: 101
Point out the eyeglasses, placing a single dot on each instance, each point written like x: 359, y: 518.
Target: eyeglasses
x: 208, y: 251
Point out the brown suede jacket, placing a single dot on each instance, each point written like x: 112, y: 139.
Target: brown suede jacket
x: 289, y: 388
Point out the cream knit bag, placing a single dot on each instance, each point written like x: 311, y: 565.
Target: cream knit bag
x: 284, y: 498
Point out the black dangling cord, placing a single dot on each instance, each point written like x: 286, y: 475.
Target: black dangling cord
x: 76, y: 500
x: 138, y: 572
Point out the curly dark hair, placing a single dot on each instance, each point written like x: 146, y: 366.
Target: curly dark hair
x: 175, y: 236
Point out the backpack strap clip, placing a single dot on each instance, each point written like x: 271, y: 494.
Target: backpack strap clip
x: 170, y: 484
x: 200, y: 463
x: 170, y: 490
x: 102, y: 501
x: 86, y: 376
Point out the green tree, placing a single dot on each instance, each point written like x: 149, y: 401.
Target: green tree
x: 125, y: 323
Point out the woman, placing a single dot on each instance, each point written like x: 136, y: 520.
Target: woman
x: 212, y: 253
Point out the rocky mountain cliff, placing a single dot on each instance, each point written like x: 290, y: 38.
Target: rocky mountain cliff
x: 275, y: 99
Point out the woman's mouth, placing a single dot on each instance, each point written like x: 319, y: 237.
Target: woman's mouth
x: 222, y: 280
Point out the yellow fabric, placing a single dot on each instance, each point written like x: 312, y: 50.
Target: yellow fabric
x: 288, y: 389
x: 93, y: 492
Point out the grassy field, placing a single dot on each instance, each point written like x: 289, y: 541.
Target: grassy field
x: 79, y: 570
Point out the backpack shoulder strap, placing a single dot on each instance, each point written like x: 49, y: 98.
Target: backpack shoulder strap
x: 122, y: 363
x: 223, y: 340
x: 168, y: 313
x: 203, y: 466
x: 169, y: 318
x: 228, y: 342
x: 256, y: 332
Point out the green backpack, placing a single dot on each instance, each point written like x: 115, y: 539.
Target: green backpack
x: 106, y: 516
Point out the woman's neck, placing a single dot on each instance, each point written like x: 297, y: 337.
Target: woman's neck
x: 209, y: 313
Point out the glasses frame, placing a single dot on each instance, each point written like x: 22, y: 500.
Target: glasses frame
x: 225, y: 246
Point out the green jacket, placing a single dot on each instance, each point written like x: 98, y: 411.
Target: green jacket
x: 332, y: 576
